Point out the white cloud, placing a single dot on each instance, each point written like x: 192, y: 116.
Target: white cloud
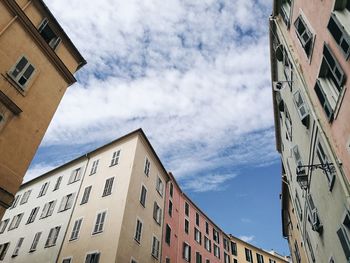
x: 248, y: 239
x: 37, y: 170
x: 207, y: 183
x: 193, y: 74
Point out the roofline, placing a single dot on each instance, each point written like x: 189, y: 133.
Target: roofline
x: 133, y: 133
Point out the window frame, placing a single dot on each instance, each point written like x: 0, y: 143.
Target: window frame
x: 16, y: 77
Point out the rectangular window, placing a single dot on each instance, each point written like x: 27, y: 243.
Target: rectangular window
x: 94, y: 167
x: 285, y: 11
x: 171, y: 190
x: 3, y: 249
x: 52, y: 237
x: 207, y: 244
x: 297, y: 158
x: 67, y: 260
x: 32, y: 215
x: 75, y: 175
x: 58, y: 183
x: 272, y: 261
x: 170, y: 209
x: 48, y: 209
x: 86, y: 195
x: 115, y: 158
x: 138, y: 231
x: 339, y: 28
x: 248, y: 255
x: 197, y: 236
x: 67, y: 202
x: 198, y: 257
x: 48, y: 34
x: 330, y: 82
x: 35, y: 242
x: 22, y: 71
x: 187, y: 209
x: 92, y: 258
x: 226, y: 258
x: 301, y: 106
x: 108, y: 187
x: 168, y: 235
x: 288, y: 123
x: 3, y: 225
x: 143, y: 196
x: 76, y: 228
x: 207, y: 228
x: 157, y: 213
x: 186, y: 252
x: 216, y: 251
x: 187, y: 226
x: 308, y: 243
x: 100, y: 220
x: 197, y: 219
x: 147, y: 167
x: 298, y: 206
x: 259, y: 258
x: 324, y: 159
x: 234, y: 248
x: 313, y: 214
x: 25, y: 197
x: 155, y: 247
x: 226, y: 244
x: 159, y: 186
x: 18, y: 246
x: 296, y: 252
x: 216, y: 236
x: 15, y: 221
x: 304, y: 35
x: 15, y: 201
x: 343, y: 235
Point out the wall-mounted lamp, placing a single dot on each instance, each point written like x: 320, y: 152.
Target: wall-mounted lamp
x: 302, y: 177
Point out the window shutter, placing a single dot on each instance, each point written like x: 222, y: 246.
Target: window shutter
x: 19, y: 67
x: 52, y: 207
x: 344, y: 241
x: 323, y: 100
x: 70, y: 200
x: 45, y: 209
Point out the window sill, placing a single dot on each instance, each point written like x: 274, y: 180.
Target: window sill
x: 14, y: 84
x: 338, y: 105
x: 113, y: 164
x: 96, y: 233
x: 48, y: 246
x: 104, y: 195
x: 63, y: 210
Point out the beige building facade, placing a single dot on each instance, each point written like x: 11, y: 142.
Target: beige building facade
x: 38, y: 61
x: 309, y: 70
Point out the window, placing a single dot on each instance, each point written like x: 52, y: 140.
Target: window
x: 92, y: 258
x: 298, y: 206
x: 67, y: 202
x: 197, y: 219
x: 168, y: 234
x: 138, y: 231
x: 226, y: 244
x: 226, y: 258
x: 160, y: 186
x: 248, y: 255
x: 207, y: 261
x: 207, y: 244
x: 297, y: 157
x: 75, y: 176
x: 304, y: 35
x: 330, y: 82
x: 15, y: 221
x: 3, y: 225
x: 3, y: 250
x: 272, y: 261
x: 94, y: 167
x: 115, y: 158
x: 22, y: 72
x: 288, y: 123
x: 58, y: 183
x: 323, y: 158
x: 339, y: 27
x: 86, y: 195
x: 170, y: 209
x: 76, y: 228
x: 100, y: 220
x: 133, y: 261
x: 287, y: 69
x: 343, y: 235
x: 216, y: 251
x: 48, y: 209
x: 143, y: 196
x: 197, y: 236
x: 167, y: 260
x: 15, y: 201
x: 147, y: 167
x: 108, y: 187
x: 207, y: 228
x: 308, y: 243
x: 313, y: 214
x: 296, y: 252
x: 171, y: 189
x: 259, y: 258
x: 187, y: 226
x: 35, y: 242
x: 18, y: 246
x: 48, y: 34
x: 157, y: 213
x: 187, y: 209
x: 43, y: 189
x: 32, y: 215
x: 25, y: 197
x: 302, y: 108
x: 52, y: 237
x: 186, y: 252
x: 216, y: 236
x: 285, y: 11
x: 67, y: 260
x: 234, y: 248
x: 198, y: 257
x: 155, y: 247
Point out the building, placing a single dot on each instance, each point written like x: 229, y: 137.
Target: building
x: 38, y: 61
x: 114, y: 204
x: 310, y: 47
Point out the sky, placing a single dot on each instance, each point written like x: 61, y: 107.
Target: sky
x: 195, y: 76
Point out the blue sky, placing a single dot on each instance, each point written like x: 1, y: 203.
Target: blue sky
x: 195, y: 76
